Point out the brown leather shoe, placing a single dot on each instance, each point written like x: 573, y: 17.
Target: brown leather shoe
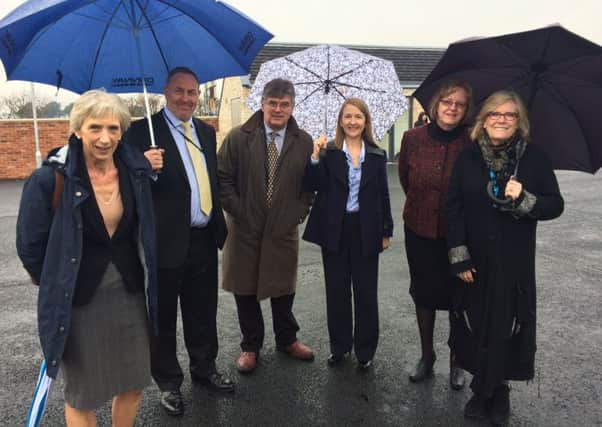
x: 300, y: 351
x: 247, y: 361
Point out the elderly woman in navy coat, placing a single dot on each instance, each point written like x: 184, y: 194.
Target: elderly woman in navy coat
x: 86, y: 235
x: 351, y: 220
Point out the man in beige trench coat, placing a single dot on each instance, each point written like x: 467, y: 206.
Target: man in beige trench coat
x: 260, y: 167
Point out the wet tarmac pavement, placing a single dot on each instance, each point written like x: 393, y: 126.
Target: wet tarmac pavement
x: 566, y: 391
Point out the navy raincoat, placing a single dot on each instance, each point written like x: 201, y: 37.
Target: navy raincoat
x: 50, y: 243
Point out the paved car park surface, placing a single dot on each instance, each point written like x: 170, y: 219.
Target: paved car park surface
x: 566, y: 391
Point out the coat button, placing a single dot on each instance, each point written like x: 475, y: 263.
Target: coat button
x: 78, y: 194
x: 67, y: 295
x: 53, y: 363
x: 61, y: 329
x: 73, y: 260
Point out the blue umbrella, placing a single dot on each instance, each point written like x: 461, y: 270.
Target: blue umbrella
x: 40, y: 397
x: 126, y: 45
x: 123, y: 46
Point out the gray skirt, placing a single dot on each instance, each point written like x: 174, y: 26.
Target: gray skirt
x: 107, y: 351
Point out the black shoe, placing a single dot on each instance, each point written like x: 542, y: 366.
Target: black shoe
x: 476, y: 408
x: 423, y: 370
x: 456, y: 374
x: 172, y: 402
x: 364, y: 365
x: 215, y: 382
x: 336, y: 359
x: 500, y: 406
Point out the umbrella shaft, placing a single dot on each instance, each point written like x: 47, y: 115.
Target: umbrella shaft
x: 146, y: 104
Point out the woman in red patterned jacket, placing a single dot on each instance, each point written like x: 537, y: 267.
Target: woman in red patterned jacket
x: 426, y: 161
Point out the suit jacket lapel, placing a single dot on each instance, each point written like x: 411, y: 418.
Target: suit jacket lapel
x: 339, y: 167
x: 369, y: 169
x: 165, y: 140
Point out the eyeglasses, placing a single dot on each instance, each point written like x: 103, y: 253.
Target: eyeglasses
x: 449, y: 103
x: 496, y: 115
x: 283, y: 105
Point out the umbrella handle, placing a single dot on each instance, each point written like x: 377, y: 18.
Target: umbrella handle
x: 502, y: 202
x: 520, y: 149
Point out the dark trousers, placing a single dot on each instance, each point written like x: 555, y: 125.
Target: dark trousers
x: 195, y: 284
x: 345, y: 270
x: 250, y: 319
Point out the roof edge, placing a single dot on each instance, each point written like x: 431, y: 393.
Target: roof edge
x: 351, y: 46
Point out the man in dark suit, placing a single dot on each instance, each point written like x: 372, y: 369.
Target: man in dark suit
x: 190, y: 229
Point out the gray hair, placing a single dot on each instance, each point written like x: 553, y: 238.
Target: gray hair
x: 98, y: 103
x: 278, y: 88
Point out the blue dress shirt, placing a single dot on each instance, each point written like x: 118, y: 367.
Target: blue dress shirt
x: 355, y: 177
x: 279, y: 136
x: 197, y: 217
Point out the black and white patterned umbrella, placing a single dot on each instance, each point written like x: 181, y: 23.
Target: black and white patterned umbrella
x: 324, y: 76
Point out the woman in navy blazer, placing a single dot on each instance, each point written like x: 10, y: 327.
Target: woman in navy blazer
x: 351, y: 220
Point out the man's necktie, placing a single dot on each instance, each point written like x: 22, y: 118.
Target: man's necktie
x: 200, y: 170
x: 272, y: 163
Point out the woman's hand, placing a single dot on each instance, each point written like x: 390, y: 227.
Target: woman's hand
x: 319, y: 144
x: 467, y: 276
x: 513, y: 188
x: 155, y: 158
x: 386, y: 243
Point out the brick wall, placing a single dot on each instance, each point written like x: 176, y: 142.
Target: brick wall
x: 17, y: 143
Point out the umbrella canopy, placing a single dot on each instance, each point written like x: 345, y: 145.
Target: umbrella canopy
x: 558, y: 74
x: 324, y: 76
x: 114, y: 44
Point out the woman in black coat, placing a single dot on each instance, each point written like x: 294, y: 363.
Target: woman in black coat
x: 351, y: 220
x: 501, y: 186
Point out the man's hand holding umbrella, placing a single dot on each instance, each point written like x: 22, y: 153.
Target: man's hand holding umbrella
x: 155, y: 158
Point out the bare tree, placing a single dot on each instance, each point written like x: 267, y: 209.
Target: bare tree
x: 155, y: 102
x: 136, y: 104
x: 51, y: 110
x: 18, y: 106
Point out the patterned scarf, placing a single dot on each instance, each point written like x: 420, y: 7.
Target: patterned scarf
x: 500, y: 160
x: 499, y: 157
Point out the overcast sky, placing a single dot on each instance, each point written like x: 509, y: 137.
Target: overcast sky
x: 434, y: 23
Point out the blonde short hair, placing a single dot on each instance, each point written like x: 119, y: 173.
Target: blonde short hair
x: 98, y: 103
x: 491, y: 103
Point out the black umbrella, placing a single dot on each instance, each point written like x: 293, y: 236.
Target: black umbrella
x: 557, y: 73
